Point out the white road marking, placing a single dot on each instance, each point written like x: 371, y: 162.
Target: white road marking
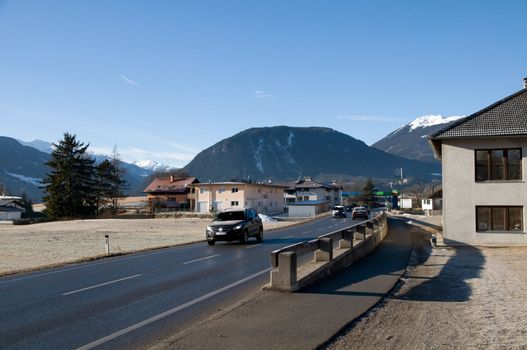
x: 102, y: 284
x: 254, y: 245
x: 289, y: 236
x: 207, y: 257
x: 169, y: 312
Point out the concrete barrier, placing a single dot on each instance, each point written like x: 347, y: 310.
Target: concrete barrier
x: 354, y: 243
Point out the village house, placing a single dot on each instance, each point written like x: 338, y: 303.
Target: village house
x: 172, y: 192
x: 433, y: 204
x: 11, y: 208
x: 305, y: 189
x: 265, y: 198
x: 484, y: 187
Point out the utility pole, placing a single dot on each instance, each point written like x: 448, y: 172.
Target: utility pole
x: 399, y: 171
x: 402, y: 187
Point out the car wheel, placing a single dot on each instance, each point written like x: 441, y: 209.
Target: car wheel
x: 211, y: 242
x: 245, y: 237
x: 259, y: 238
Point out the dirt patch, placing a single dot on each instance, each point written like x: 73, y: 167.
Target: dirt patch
x: 28, y: 247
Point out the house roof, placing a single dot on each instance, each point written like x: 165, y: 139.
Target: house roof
x: 507, y: 117
x: 306, y: 203
x: 308, y: 183
x: 170, y: 185
x: 5, y: 208
x: 236, y: 183
x: 11, y: 202
x: 503, y: 118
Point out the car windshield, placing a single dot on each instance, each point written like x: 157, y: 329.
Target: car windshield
x: 230, y: 215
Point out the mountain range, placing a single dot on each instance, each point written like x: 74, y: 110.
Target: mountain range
x: 278, y: 153
x: 23, y: 166
x: 285, y: 153
x: 411, y: 140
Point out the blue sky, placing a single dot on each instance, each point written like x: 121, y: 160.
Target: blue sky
x: 164, y: 80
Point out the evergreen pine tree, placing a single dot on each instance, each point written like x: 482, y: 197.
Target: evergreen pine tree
x: 117, y: 182
x: 103, y: 185
x: 367, y: 195
x: 70, y: 185
x: 27, y: 202
x: 110, y: 184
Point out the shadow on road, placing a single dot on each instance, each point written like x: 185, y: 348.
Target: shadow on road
x: 451, y: 284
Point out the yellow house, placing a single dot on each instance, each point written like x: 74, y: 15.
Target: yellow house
x: 217, y: 196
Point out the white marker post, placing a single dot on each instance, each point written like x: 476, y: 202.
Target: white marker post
x: 107, y: 243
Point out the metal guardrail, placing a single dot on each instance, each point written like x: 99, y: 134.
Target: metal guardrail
x: 284, y: 261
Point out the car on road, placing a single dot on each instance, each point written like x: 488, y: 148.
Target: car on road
x: 359, y: 213
x: 338, y: 211
x: 235, y: 225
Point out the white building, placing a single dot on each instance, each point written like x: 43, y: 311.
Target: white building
x: 11, y: 208
x: 306, y: 189
x: 264, y: 198
x: 484, y: 170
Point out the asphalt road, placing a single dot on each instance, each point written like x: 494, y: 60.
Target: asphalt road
x: 133, y: 301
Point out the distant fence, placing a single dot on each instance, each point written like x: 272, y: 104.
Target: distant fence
x: 331, y: 253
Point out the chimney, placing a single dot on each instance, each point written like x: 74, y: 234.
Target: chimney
x: 171, y: 178
x: 525, y: 83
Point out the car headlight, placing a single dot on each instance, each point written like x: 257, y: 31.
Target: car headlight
x: 209, y: 228
x: 238, y: 227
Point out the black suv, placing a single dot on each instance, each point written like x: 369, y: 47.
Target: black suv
x: 235, y: 225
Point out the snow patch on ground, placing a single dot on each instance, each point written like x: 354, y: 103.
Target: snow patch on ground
x: 266, y: 218
x: 258, y: 155
x: 285, y: 153
x: 431, y: 120
x: 290, y: 138
x: 30, y: 180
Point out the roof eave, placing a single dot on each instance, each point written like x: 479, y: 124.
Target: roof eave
x: 436, y: 147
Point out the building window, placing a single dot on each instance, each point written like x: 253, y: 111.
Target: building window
x: 234, y: 203
x: 221, y: 190
x: 234, y: 189
x: 499, y: 218
x: 498, y: 164
x: 202, y: 190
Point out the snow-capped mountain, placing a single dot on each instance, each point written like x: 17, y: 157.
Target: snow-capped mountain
x: 42, y: 146
x: 411, y: 140
x: 283, y: 152
x: 152, y: 165
x: 432, y: 120
x: 23, y: 166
